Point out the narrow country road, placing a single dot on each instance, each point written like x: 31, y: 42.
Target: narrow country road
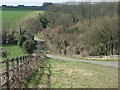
x: 105, y: 63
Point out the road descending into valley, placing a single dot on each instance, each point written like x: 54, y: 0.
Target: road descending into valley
x: 105, y: 63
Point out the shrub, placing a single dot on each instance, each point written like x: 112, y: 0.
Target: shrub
x: 22, y: 40
x: 4, y: 37
x: 98, y: 50
x: 29, y: 46
x: 4, y: 53
x: 9, y: 38
x: 12, y: 39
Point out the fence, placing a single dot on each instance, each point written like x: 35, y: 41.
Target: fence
x: 16, y: 70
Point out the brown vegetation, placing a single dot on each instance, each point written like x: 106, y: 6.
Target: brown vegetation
x: 82, y: 28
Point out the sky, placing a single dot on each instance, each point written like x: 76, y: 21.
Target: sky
x: 40, y: 2
x: 28, y: 2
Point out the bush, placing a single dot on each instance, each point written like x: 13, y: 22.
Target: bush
x: 98, y: 50
x: 4, y: 53
x: 9, y: 38
x: 29, y: 46
x: 4, y: 37
x: 12, y: 39
x: 22, y: 40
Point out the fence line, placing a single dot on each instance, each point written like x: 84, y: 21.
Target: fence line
x: 16, y: 70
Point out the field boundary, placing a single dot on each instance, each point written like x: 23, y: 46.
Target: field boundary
x: 18, y: 69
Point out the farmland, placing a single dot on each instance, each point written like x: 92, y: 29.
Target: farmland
x: 14, y: 50
x: 11, y: 19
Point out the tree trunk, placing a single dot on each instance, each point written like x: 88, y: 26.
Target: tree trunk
x: 112, y: 46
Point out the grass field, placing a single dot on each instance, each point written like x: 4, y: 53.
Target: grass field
x: 64, y: 74
x: 11, y: 19
x: 14, y: 50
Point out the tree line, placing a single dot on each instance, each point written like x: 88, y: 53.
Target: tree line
x: 82, y: 28
x: 78, y: 28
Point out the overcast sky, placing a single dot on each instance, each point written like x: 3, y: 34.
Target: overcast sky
x: 28, y: 2
x: 40, y: 2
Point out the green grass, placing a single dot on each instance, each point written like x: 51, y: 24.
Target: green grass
x: 82, y: 75
x: 14, y: 50
x: 11, y: 19
x: 33, y: 81
x: 64, y: 74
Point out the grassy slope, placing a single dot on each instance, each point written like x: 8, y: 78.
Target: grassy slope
x: 64, y: 74
x: 11, y: 19
x: 84, y: 75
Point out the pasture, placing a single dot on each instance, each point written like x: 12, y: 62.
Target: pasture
x: 14, y: 50
x: 12, y: 19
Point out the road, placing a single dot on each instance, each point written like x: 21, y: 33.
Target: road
x: 105, y: 63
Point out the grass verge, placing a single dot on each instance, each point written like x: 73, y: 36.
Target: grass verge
x: 116, y: 59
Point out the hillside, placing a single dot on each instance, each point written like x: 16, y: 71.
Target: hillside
x: 70, y: 45
x: 83, y: 29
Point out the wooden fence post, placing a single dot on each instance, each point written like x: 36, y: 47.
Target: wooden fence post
x: 25, y: 66
x: 17, y: 59
x: 13, y: 66
x: 7, y: 74
x: 28, y: 64
x: 21, y: 68
x: 20, y: 71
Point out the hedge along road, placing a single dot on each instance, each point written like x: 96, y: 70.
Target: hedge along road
x: 105, y: 63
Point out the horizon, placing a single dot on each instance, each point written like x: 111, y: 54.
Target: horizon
x: 28, y: 2
x: 40, y: 3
